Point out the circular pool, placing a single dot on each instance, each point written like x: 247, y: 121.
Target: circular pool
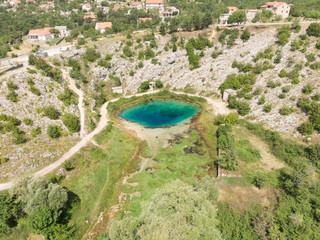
x: 160, y: 112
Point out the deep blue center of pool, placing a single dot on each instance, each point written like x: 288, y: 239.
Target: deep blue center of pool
x: 160, y: 112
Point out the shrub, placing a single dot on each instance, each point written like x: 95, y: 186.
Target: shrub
x: 127, y: 51
x: 313, y: 30
x: 13, y: 97
x: 4, y: 160
x: 91, y: 55
x: 27, y: 121
x: 51, y: 112
x: 318, y: 45
x: 68, y: 97
x: 243, y: 108
x: 267, y: 108
x: 219, y: 119
x: 72, y: 122
x: 19, y: 136
x: 285, y: 110
x: 11, y: 86
x: 286, y: 89
x: 282, y: 95
x: 306, y: 128
x: 245, y: 35
x: 307, y: 89
x: 35, y: 90
x: 35, y: 132
x: 159, y: 84
x: 316, y: 97
x: 262, y: 100
x: 311, y: 57
x: 315, y: 66
x: 54, y: 131
x: 144, y: 86
x: 231, y: 118
x: 69, y: 165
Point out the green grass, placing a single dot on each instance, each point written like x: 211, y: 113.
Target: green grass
x: 54, y: 41
x: 245, y: 152
x: 171, y: 163
x: 96, y: 175
x: 239, y: 181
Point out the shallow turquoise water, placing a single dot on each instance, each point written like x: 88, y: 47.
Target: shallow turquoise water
x: 159, y: 112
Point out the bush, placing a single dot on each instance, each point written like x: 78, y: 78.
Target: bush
x: 159, y: 84
x: 69, y: 165
x: 72, y: 122
x: 313, y: 30
x: 231, y: 118
x: 219, y: 119
x: 307, y: 89
x: 13, y: 97
x: 311, y: 57
x: 285, y: 110
x: 282, y: 95
x: 27, y: 121
x: 306, y: 128
x: 35, y: 132
x: 144, y: 86
x: 51, y: 112
x: 286, y: 89
x: 245, y: 35
x: 54, y: 131
x: 91, y: 55
x: 127, y: 51
x: 243, y: 108
x: 267, y: 108
x: 262, y: 100
x: 35, y: 90
x: 4, y: 160
x: 11, y: 86
x: 19, y: 136
x: 315, y: 66
x: 316, y: 97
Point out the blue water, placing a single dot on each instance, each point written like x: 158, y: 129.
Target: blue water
x: 159, y: 112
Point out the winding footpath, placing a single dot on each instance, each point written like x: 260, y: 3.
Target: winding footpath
x: 218, y: 106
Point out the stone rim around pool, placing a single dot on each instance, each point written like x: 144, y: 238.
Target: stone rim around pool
x: 155, y: 113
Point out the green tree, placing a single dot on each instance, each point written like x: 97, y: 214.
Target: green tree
x: 237, y: 17
x: 54, y: 131
x: 163, y: 29
x: 41, y: 221
x: 313, y: 30
x: 51, y: 112
x: 245, y: 35
x: 306, y: 128
x: 175, y: 211
x: 72, y: 122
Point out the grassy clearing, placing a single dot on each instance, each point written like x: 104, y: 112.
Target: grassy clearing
x: 186, y: 159
x: 97, y: 172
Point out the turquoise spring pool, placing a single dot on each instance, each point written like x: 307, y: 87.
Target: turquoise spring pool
x: 160, y: 112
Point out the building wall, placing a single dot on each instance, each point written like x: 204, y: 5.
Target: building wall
x: 283, y: 10
x: 153, y: 5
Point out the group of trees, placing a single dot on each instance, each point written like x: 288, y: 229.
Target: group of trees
x: 41, y: 204
x: 176, y: 211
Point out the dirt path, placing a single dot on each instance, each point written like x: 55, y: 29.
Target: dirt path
x: 79, y: 92
x: 219, y: 107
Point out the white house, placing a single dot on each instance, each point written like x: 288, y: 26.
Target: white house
x: 64, y: 32
x: 278, y: 8
x: 224, y: 17
x: 14, y: 2
x: 159, y: 4
x: 86, y: 7
x: 102, y: 26
x: 136, y: 5
x: 40, y: 34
